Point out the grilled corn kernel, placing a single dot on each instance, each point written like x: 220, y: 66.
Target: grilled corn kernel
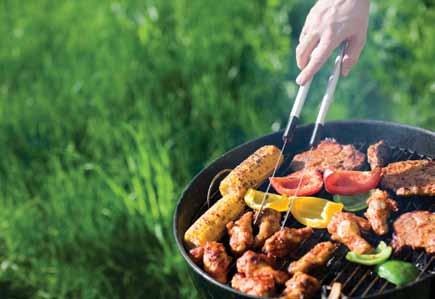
x: 252, y: 171
x: 211, y: 225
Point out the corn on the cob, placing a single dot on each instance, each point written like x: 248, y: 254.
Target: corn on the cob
x: 211, y: 225
x: 252, y: 171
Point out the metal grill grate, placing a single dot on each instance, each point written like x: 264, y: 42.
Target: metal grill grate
x: 357, y: 280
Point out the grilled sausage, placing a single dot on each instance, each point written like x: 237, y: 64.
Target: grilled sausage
x: 211, y: 225
x: 252, y: 171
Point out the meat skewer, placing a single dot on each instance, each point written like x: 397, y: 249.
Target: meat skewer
x: 380, y: 206
x: 284, y: 241
x: 241, y: 235
x: 345, y: 228
x: 214, y: 259
x: 316, y: 257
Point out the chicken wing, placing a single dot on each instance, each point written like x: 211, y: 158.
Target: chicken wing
x: 379, y: 209
x: 197, y: 255
x: 256, y: 276
x: 214, y: 260
x: 262, y: 286
x: 284, y: 241
x: 316, y: 257
x: 345, y: 228
x: 269, y: 224
x: 300, y: 286
x: 241, y: 235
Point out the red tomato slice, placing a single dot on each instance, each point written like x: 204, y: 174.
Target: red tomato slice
x: 347, y: 182
x: 311, y: 183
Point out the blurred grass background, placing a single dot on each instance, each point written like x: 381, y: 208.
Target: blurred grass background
x: 108, y: 108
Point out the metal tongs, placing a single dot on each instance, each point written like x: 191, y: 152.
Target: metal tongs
x: 293, y: 120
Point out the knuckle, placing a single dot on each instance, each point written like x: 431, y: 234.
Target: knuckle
x: 316, y: 62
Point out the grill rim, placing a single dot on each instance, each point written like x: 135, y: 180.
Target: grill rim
x: 230, y: 153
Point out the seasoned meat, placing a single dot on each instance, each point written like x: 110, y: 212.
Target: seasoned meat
x: 269, y: 223
x: 378, y: 154
x: 284, y: 241
x: 197, y: 255
x: 241, y: 236
x: 379, y: 207
x: 415, y: 229
x: 300, y: 286
x: 214, y: 259
x: 330, y: 154
x: 259, y: 264
x: 256, y: 275
x: 262, y: 286
x: 345, y: 228
x: 407, y: 178
x: 316, y: 257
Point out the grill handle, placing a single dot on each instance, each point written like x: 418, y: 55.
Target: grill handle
x: 328, y: 98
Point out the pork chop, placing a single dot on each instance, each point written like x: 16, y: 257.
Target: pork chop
x: 415, y: 229
x: 330, y: 154
x: 378, y: 154
x: 407, y: 178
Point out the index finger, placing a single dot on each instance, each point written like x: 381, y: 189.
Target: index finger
x: 318, y: 58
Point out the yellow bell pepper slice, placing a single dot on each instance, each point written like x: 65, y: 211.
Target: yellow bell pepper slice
x: 314, y: 211
x: 311, y: 211
x: 277, y: 202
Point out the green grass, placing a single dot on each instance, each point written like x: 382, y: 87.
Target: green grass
x: 107, y: 109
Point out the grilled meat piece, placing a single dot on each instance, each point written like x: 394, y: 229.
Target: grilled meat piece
x: 256, y: 275
x: 300, y: 286
x: 259, y: 264
x: 262, y: 286
x: 330, y: 154
x: 415, y: 229
x: 316, y: 257
x: 345, y: 228
x: 378, y: 154
x: 214, y: 260
x: 197, y: 255
x: 241, y: 236
x: 284, y: 241
x: 407, y: 178
x: 269, y: 224
x: 379, y: 207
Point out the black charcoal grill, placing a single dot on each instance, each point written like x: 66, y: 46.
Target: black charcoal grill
x: 407, y: 143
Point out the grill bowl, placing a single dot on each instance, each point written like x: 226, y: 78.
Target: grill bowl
x: 418, y: 142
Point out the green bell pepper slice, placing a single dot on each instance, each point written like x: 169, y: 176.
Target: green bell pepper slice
x: 397, y: 272
x: 353, y: 203
x: 381, y: 254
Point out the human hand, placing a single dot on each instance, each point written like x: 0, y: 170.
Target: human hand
x: 329, y: 23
